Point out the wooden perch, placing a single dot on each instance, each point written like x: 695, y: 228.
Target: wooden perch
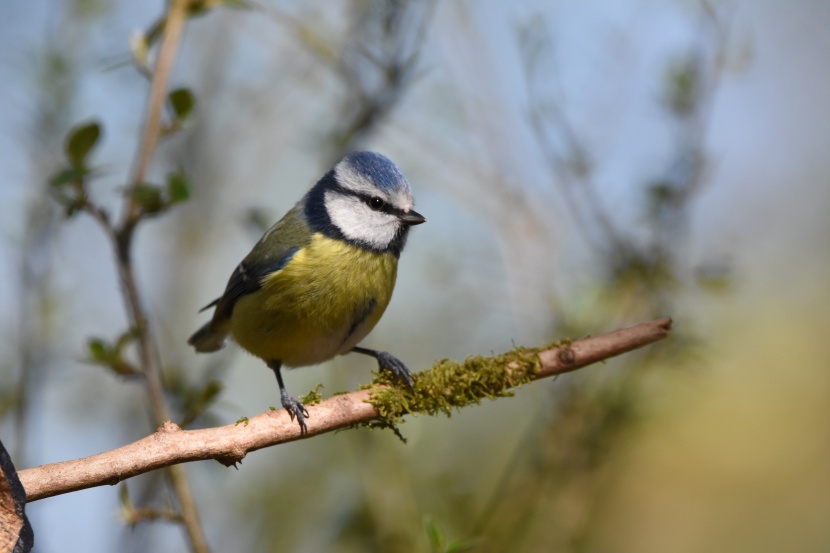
x: 170, y: 445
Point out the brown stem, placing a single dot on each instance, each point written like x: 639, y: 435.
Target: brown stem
x: 123, y: 235
x: 170, y: 445
x: 147, y: 354
x: 173, y: 28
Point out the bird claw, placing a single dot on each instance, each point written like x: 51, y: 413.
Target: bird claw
x: 395, y: 366
x: 295, y: 409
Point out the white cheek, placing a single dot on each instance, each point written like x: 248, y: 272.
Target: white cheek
x: 359, y: 222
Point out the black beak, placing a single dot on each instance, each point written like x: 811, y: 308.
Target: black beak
x: 412, y: 218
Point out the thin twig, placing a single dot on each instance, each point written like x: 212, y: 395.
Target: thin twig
x: 170, y: 445
x: 173, y: 28
x: 132, y: 211
x: 123, y: 235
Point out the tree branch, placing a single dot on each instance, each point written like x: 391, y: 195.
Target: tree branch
x: 170, y: 445
x: 123, y: 235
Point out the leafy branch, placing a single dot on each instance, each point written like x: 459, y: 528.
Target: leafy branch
x: 141, y: 200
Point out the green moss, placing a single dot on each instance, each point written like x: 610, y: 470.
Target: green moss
x: 313, y: 397
x: 242, y: 420
x: 383, y: 424
x: 446, y: 387
x: 450, y: 385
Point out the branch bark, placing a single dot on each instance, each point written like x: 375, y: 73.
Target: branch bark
x: 170, y: 445
x: 15, y: 531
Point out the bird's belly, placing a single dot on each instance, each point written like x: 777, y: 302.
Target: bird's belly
x: 327, y: 299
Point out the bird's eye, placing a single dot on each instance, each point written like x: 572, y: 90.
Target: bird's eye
x: 376, y: 203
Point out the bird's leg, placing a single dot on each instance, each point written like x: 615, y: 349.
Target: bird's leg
x: 390, y: 363
x: 293, y: 406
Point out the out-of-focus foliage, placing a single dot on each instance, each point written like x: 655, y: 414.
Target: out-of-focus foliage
x: 576, y: 177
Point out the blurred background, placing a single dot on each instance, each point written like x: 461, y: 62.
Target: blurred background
x: 582, y: 166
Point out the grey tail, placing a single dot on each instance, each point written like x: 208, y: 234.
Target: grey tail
x: 208, y: 339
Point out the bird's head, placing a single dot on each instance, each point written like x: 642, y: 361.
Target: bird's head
x: 365, y: 200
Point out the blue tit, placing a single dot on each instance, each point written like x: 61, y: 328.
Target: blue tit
x: 318, y: 281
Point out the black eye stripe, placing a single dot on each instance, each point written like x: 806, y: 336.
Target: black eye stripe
x: 371, y: 201
x: 386, y: 207
x: 383, y: 206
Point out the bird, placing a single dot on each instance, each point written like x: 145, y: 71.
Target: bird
x: 319, y: 280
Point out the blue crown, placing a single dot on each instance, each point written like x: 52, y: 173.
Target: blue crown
x: 379, y: 169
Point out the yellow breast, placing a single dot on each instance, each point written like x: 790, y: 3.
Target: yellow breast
x: 322, y: 303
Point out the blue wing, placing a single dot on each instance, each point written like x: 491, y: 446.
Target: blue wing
x: 246, y: 279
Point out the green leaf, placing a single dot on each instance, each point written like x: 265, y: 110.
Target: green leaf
x: 80, y: 141
x: 111, y: 356
x: 182, y: 101
x: 69, y: 175
x: 434, y: 535
x: 178, y: 188
x: 149, y: 197
x: 98, y: 350
x: 67, y: 187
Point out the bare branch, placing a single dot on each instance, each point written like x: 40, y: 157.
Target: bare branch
x: 170, y: 445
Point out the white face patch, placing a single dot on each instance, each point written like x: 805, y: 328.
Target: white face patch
x: 350, y: 212
x: 357, y: 221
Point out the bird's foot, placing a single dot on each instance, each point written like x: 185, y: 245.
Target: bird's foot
x: 295, y: 409
x: 395, y: 366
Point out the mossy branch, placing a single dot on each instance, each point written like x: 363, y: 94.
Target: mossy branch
x: 447, y: 386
